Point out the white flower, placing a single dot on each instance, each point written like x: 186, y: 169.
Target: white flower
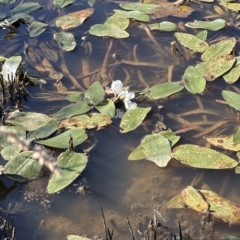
x: 1, y: 169
x: 123, y: 94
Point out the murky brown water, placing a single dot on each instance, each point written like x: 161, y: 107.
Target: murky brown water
x: 122, y: 188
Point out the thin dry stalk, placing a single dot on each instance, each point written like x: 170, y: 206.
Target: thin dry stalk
x: 40, y: 154
x: 130, y: 229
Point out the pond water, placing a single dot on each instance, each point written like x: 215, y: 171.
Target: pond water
x: 122, y: 188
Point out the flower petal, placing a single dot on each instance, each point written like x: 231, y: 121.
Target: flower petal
x: 116, y: 86
x: 129, y: 105
x: 130, y: 95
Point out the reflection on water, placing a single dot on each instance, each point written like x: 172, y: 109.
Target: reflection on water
x: 122, y: 188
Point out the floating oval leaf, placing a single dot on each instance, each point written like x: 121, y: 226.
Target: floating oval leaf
x: 102, y: 30
x: 74, y: 19
x: 172, y: 138
x: 71, y: 165
x: 10, y: 151
x: 218, y: 66
x: 154, y: 148
x: 95, y: 120
x: 202, y: 35
x: 222, y: 208
x: 214, y: 25
x: 66, y: 40
x: 221, y: 48
x: 62, y: 140
x: 133, y: 15
x: 201, y: 157
x: 75, y: 97
x: 72, y: 110
x: 225, y: 142
x: 163, y: 90
x: 107, y: 108
x: 163, y: 26
x: 26, y: 8
x: 176, y: 202
x: 232, y: 6
x: 191, y: 42
x: 75, y: 237
x: 95, y: 94
x: 141, y: 7
x: 29, y: 121
x: 62, y: 3
x: 116, y: 20
x: 194, y: 82
x: 194, y: 199
x: 232, y: 98
x: 44, y: 131
x: 236, y: 137
x: 36, y: 28
x: 233, y: 75
x: 10, y: 66
x: 7, y: 1
x: 133, y: 118
x: 24, y: 165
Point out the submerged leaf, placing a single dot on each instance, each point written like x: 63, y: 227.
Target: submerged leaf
x: 74, y: 19
x: 66, y: 40
x: 102, y: 30
x: 62, y: 3
x: 95, y: 94
x: 214, y: 25
x: 225, y: 142
x: 133, y: 118
x: 10, y: 67
x: 202, y: 157
x: 232, y: 98
x: 190, y: 41
x: 36, y: 28
x: 219, y: 49
x: 62, y: 140
x: 154, y: 148
x: 194, y: 82
x: 24, y: 165
x: 72, y: 110
x: 29, y: 121
x: 71, y: 165
x: 218, y: 66
x: 163, y: 90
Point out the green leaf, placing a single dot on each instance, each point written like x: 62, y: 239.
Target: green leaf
x: 170, y: 136
x: 116, y: 20
x: 163, y: 90
x: 19, y: 16
x: 36, y: 28
x: 10, y: 151
x: 218, y: 66
x: 154, y: 148
x: 194, y: 82
x: 62, y: 3
x: 201, y: 67
x: 74, y: 19
x: 95, y: 94
x: 72, y: 110
x: 176, y: 202
x: 62, y: 140
x: 221, y: 208
x: 236, y: 137
x: 26, y: 8
x: 23, y: 165
x: 141, y: 7
x: 214, y: 25
x: 190, y: 41
x: 230, y: 238
x: 202, y: 35
x: 133, y: 118
x: 163, y: 26
x: 43, y: 131
x: 71, y: 165
x: 29, y: 121
x: 237, y: 170
x: 10, y: 67
x: 225, y: 142
x: 66, y: 40
x: 75, y: 237
x: 233, y: 75
x: 107, y: 107
x: 232, y: 6
x: 202, y: 157
x: 133, y: 15
x: 232, y: 98
x: 221, y: 48
x: 7, y: 1
x: 102, y: 30
x: 75, y: 97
